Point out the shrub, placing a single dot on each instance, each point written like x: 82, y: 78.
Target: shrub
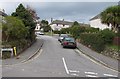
x: 107, y: 35
x: 95, y: 41
x: 76, y: 31
x: 6, y: 55
x: 65, y: 30
x: 56, y: 32
x: 91, y: 30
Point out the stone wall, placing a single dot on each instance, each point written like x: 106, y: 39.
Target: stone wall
x: 112, y: 53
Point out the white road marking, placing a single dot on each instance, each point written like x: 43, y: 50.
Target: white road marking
x: 94, y: 60
x: 74, y: 74
x: 23, y: 69
x: 65, y: 65
x: 109, y: 75
x: 74, y: 71
x: 91, y: 73
x: 91, y: 76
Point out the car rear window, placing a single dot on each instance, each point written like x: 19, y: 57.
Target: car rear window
x: 64, y: 35
x: 69, y: 39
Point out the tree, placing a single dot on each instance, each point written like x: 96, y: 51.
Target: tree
x: 14, y: 30
x: 45, y: 26
x: 107, y: 35
x: 25, y: 16
x: 76, y: 30
x: 111, y: 16
x: 32, y: 12
x: 75, y: 24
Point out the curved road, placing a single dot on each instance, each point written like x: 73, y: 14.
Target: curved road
x: 55, y: 61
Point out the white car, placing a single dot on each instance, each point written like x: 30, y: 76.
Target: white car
x: 62, y: 36
x: 39, y: 33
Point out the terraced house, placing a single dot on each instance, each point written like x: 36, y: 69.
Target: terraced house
x: 59, y: 24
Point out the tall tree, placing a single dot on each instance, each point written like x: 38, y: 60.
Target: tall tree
x: 45, y: 26
x: 33, y: 13
x: 25, y: 16
x: 75, y: 24
x: 14, y: 29
x: 111, y: 15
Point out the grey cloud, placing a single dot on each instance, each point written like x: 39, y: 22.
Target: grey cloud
x: 73, y: 10
x: 80, y: 11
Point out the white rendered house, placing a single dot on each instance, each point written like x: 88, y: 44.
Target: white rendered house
x: 37, y: 28
x: 96, y: 23
x: 59, y: 24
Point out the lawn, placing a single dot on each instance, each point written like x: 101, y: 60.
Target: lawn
x: 48, y: 33
x: 115, y: 47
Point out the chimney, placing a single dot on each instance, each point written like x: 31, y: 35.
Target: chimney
x: 63, y: 19
x: 3, y: 10
x: 51, y: 20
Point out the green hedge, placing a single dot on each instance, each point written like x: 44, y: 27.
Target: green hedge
x: 107, y: 35
x: 56, y: 32
x: 95, y: 41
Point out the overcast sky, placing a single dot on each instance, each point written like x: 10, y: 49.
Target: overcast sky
x: 70, y: 11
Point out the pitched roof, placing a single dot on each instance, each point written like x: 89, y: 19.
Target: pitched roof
x: 62, y: 22
x: 2, y: 13
x: 66, y: 23
x: 96, y: 17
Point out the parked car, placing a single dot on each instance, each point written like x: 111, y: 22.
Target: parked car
x: 61, y: 37
x: 69, y: 42
x: 39, y: 33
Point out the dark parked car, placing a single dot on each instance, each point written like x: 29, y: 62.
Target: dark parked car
x: 69, y: 42
x: 61, y: 37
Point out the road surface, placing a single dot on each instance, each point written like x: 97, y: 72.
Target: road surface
x: 55, y: 61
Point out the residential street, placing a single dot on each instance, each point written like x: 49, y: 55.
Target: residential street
x: 55, y: 61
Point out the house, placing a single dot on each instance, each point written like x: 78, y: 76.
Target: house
x: 59, y: 24
x: 2, y: 15
x: 37, y: 28
x: 96, y: 23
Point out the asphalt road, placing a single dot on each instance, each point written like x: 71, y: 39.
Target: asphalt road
x: 55, y: 61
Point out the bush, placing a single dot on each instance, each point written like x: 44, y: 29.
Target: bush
x: 56, y: 32
x: 117, y: 34
x: 95, y: 41
x: 75, y: 31
x: 107, y: 35
x: 91, y: 30
x: 6, y: 55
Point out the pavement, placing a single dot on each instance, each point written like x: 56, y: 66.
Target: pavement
x: 26, y: 55
x: 106, y: 61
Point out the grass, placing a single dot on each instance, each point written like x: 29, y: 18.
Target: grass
x: 48, y: 33
x: 114, y: 47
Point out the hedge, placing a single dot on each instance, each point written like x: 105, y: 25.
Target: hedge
x: 95, y: 41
